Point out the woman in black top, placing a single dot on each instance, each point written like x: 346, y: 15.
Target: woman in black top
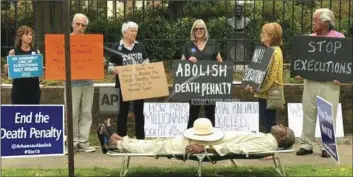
x: 25, y: 90
x: 201, y: 48
x: 128, y: 52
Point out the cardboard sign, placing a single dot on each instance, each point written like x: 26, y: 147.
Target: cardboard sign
x: 204, y: 80
x: 141, y: 81
x: 237, y: 116
x: 23, y: 66
x: 165, y: 119
x: 327, y: 129
x: 257, y: 68
x: 86, y: 57
x: 32, y: 131
x: 295, y: 120
x: 322, y: 58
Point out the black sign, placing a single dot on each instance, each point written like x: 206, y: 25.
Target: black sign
x: 322, y: 58
x: 257, y: 68
x: 204, y: 80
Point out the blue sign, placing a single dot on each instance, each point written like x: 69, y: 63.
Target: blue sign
x: 21, y: 66
x: 325, y: 115
x: 32, y: 131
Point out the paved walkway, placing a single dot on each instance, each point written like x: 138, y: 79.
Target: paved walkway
x: 97, y: 159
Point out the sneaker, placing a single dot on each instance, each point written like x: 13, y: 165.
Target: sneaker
x: 66, y: 151
x: 85, y: 148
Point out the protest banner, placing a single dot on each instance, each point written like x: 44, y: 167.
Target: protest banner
x: 32, y: 131
x: 86, y: 56
x: 204, y: 80
x: 322, y: 58
x: 141, y: 81
x: 23, y: 66
x: 328, y: 138
x: 258, y: 66
x: 237, y: 116
x: 165, y: 119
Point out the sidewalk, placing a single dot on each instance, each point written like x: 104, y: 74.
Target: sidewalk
x: 97, y: 159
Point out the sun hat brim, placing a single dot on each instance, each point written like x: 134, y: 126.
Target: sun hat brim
x: 216, y: 135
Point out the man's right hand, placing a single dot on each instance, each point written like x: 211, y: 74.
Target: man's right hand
x: 192, y: 59
x: 298, y: 77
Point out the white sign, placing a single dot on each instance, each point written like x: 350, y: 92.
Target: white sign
x: 165, y: 119
x: 237, y: 116
x: 108, y: 100
x: 295, y: 120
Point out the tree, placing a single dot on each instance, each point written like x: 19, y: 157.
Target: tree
x: 48, y: 19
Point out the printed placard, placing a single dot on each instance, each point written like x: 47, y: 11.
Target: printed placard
x: 32, y: 131
x: 141, y: 81
x: 23, y: 66
x: 327, y: 129
x: 257, y: 68
x: 204, y: 80
x: 86, y: 56
x: 237, y: 116
x: 165, y: 119
x: 295, y: 120
x: 322, y: 58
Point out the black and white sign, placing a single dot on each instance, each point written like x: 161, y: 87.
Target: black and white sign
x: 108, y: 100
x: 322, y: 58
x: 208, y: 80
x: 257, y: 69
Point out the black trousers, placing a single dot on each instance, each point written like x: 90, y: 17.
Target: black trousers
x: 266, y: 116
x: 22, y: 96
x: 139, y: 117
x: 195, y: 110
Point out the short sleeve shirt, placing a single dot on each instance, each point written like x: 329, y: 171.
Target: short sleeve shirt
x: 209, y: 52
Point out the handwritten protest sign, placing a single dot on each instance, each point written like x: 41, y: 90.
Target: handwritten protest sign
x: 204, y: 80
x: 325, y: 116
x: 295, y: 120
x: 322, y: 58
x: 141, y: 81
x: 257, y: 68
x: 22, y: 66
x: 165, y: 119
x: 32, y: 131
x: 237, y: 116
x: 86, y: 56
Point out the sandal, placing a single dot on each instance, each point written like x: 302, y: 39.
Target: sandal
x: 103, y: 138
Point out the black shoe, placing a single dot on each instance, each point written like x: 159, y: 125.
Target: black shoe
x: 303, y: 151
x: 324, y: 154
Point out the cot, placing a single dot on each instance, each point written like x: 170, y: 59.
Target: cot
x: 200, y: 158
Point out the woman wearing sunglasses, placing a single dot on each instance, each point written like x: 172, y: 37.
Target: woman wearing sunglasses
x: 201, y: 48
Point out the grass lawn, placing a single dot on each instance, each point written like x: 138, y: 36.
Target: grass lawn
x: 302, y: 170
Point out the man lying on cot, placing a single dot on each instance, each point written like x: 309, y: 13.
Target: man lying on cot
x: 202, y: 137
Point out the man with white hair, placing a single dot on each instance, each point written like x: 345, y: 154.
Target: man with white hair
x: 82, y: 97
x: 323, y: 24
x: 129, y: 51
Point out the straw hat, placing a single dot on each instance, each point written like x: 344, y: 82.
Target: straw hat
x: 203, y: 131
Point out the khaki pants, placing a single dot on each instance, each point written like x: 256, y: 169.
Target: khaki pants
x: 82, y: 101
x: 326, y: 90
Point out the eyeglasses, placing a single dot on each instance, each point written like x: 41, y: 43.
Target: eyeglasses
x: 81, y: 24
x: 198, y: 29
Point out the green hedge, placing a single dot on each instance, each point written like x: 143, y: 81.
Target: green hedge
x: 164, y: 39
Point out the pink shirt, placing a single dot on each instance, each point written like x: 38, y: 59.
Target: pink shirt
x: 332, y: 33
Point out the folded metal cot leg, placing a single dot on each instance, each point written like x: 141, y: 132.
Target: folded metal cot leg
x: 124, y: 165
x: 200, y: 157
x: 233, y: 162
x: 278, y: 166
